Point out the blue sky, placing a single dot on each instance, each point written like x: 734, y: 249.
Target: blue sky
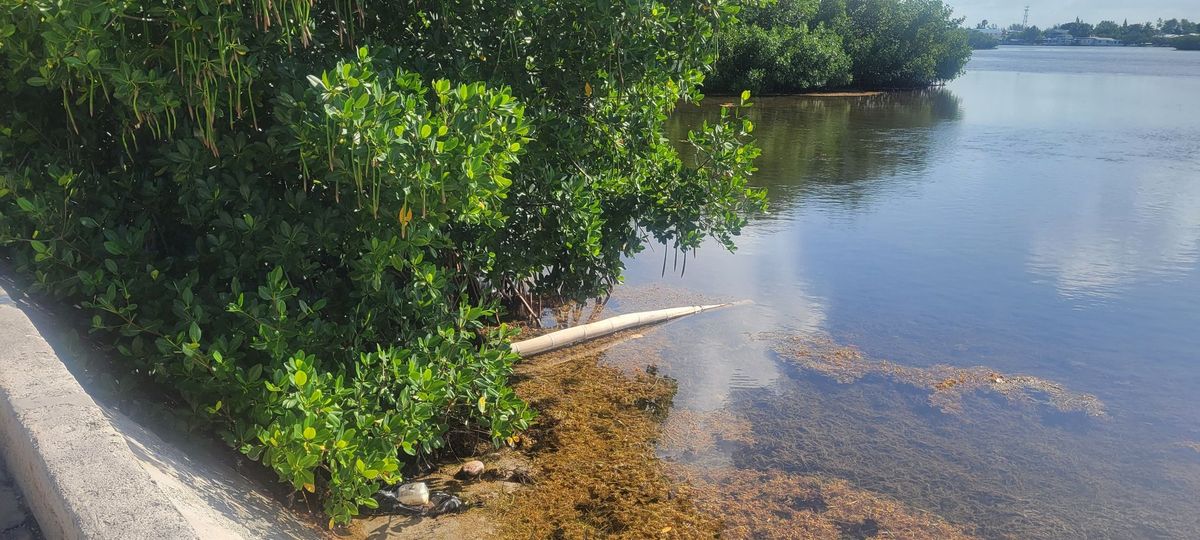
x: 1049, y: 12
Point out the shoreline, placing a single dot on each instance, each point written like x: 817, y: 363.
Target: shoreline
x: 612, y: 455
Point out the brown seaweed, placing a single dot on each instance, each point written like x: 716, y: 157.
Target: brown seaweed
x: 947, y: 385
x: 774, y: 504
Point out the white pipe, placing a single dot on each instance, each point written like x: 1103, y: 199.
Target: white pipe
x: 571, y: 336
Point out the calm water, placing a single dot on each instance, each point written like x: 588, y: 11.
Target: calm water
x: 1040, y: 215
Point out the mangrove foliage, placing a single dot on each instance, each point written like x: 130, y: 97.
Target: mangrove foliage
x: 305, y: 219
x: 797, y: 45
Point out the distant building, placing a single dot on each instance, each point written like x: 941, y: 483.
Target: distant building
x: 1098, y: 42
x: 1058, y: 36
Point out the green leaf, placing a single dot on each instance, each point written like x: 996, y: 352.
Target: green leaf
x: 25, y: 204
x: 745, y: 96
x: 194, y: 332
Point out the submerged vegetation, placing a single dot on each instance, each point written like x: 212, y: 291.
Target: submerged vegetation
x: 778, y: 505
x: 594, y: 457
x: 304, y: 219
x: 797, y: 45
x: 947, y: 385
x: 598, y: 448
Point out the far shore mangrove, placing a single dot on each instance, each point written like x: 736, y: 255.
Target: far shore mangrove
x: 793, y: 46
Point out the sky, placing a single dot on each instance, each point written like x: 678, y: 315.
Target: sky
x: 1044, y: 13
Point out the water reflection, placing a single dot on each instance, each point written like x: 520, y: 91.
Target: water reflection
x: 1034, y: 222
x: 839, y: 150
x: 1144, y: 228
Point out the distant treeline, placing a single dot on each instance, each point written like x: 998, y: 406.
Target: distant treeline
x: 1163, y: 32
x: 980, y: 40
x: 1185, y: 43
x: 797, y: 45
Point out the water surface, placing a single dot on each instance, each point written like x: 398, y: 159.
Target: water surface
x: 1038, y: 216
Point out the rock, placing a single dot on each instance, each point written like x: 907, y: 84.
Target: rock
x: 414, y: 494
x: 471, y: 469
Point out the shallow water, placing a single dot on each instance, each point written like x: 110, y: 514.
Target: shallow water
x: 1038, y: 216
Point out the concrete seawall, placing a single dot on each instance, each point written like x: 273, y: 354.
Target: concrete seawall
x: 79, y: 477
x: 88, y: 471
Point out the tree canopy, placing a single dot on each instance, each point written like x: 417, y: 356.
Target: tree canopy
x: 304, y: 218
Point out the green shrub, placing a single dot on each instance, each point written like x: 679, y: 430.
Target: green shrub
x: 305, y: 219
x: 905, y: 43
x: 1185, y: 43
x: 797, y: 45
x: 781, y: 47
x: 979, y: 40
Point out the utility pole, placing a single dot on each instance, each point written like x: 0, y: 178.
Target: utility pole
x: 1025, y: 21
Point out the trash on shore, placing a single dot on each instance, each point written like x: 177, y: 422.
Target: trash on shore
x: 414, y: 494
x: 416, y: 499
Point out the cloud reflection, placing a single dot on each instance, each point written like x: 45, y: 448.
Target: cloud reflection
x: 1121, y: 232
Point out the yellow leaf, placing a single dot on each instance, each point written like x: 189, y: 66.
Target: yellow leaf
x: 587, y: 89
x: 665, y: 530
x: 310, y: 488
x: 405, y: 216
x: 309, y: 433
x: 482, y: 404
x: 330, y: 523
x: 300, y: 378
